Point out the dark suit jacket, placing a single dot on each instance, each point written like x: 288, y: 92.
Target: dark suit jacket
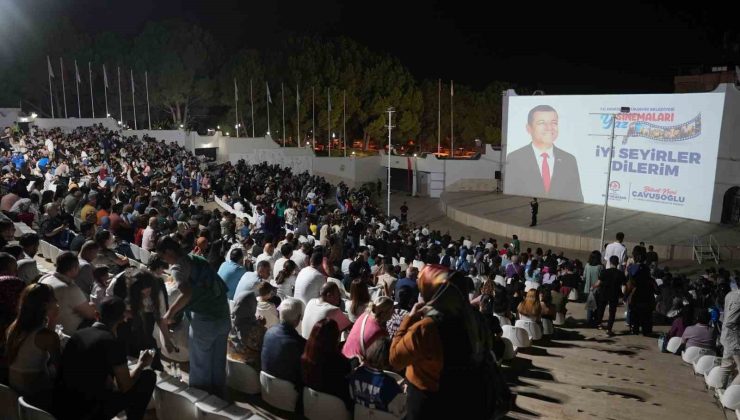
x: 522, y: 175
x: 281, y: 353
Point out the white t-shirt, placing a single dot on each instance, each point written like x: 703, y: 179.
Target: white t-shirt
x: 270, y: 258
x: 300, y: 259
x: 316, y: 310
x: 345, y: 266
x: 308, y: 284
x: 618, y: 249
x: 147, y: 239
x: 68, y: 297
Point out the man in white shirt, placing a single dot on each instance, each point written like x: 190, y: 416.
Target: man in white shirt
x: 618, y: 249
x: 268, y: 254
x: 310, y: 280
x: 291, y: 218
x: 326, y: 306
x: 299, y: 257
x: 149, y: 238
x: 251, y: 280
x: 73, y: 305
x: 238, y: 207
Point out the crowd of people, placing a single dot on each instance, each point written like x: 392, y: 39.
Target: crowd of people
x: 311, y: 284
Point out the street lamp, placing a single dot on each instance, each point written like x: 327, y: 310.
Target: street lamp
x: 390, y: 111
x: 622, y: 110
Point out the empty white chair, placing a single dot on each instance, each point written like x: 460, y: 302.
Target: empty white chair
x: 144, y: 256
x: 53, y: 252
x: 548, y: 328
x: 731, y: 397
x: 318, y: 406
x: 279, y: 393
x: 242, y: 377
x: 716, y: 378
x: 509, y: 352
x: 45, y: 249
x: 28, y: 412
x: 502, y: 320
x: 8, y: 403
x: 181, y: 404
x: 136, y: 250
x: 229, y: 412
x: 518, y: 336
x: 559, y: 319
x: 692, y: 354
x: 365, y: 413
x: 673, y: 344
x: 705, y: 363
x: 210, y: 405
x: 533, y: 329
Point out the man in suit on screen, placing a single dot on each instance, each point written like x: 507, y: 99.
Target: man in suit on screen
x: 540, y: 169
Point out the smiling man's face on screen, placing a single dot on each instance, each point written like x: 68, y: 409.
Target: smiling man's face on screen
x: 543, y: 128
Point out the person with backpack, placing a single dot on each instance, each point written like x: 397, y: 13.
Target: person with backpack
x: 204, y: 300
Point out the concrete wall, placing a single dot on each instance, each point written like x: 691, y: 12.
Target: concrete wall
x: 8, y: 117
x: 352, y: 171
x: 69, y: 124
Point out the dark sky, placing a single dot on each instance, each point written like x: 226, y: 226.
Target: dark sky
x: 596, y: 47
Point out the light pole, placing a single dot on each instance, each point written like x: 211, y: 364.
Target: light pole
x: 391, y: 110
x: 623, y: 110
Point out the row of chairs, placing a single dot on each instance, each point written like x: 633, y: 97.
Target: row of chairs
x: 181, y: 402
x: 141, y: 254
x: 281, y: 394
x: 49, y: 251
x: 706, y: 363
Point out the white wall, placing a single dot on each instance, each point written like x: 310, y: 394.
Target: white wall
x: 69, y: 124
x: 8, y: 117
x: 728, y: 156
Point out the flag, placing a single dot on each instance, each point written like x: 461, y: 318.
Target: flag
x: 236, y: 90
x: 452, y: 88
x: 48, y: 64
x: 269, y: 98
x: 105, y: 77
x: 77, y: 73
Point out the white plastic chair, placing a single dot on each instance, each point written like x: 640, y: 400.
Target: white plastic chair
x: 53, y: 252
x: 692, y: 354
x: 181, y: 404
x: 8, y: 403
x: 144, y: 256
x: 211, y: 405
x: 518, y: 336
x: 559, y: 319
x: 673, y: 344
x: 279, y: 393
x: 163, y: 393
x: 548, y: 328
x: 28, y: 412
x: 705, y: 363
x: 533, y: 329
x: 365, y: 413
x: 242, y: 377
x: 716, y: 378
x: 502, y: 320
x: 509, y: 352
x: 731, y: 397
x: 136, y: 250
x: 319, y: 406
x: 206, y: 410
x: 573, y: 295
x: 45, y: 249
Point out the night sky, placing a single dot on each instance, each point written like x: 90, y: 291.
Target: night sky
x: 594, y: 47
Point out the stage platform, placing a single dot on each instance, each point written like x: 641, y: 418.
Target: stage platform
x: 563, y: 224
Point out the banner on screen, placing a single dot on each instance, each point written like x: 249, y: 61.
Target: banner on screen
x: 665, y: 150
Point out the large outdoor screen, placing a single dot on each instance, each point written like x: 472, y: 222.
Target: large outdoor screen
x: 665, y: 150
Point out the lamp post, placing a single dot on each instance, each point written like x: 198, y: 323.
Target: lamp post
x: 390, y: 111
x: 623, y: 110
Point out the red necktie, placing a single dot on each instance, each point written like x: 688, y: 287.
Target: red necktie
x: 545, y: 173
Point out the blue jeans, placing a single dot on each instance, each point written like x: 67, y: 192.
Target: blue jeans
x: 207, y: 347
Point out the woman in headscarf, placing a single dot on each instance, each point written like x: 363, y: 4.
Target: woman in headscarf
x: 443, y: 344
x: 247, y: 332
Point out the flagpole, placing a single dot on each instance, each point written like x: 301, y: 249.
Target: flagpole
x: 64, y: 92
x: 120, y: 98
x: 282, y: 94
x: 313, y: 117
x: 92, y: 101
x: 328, y: 117
x: 268, y: 107
x: 148, y: 113
x: 452, y: 118
x: 251, y: 100
x: 51, y: 95
x: 77, y: 83
x: 439, y: 119
x: 297, y: 116
x: 133, y: 98
x: 236, y: 107
x: 105, y: 91
x: 344, y: 121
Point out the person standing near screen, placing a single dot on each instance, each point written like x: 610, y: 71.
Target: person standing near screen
x: 557, y: 169
x: 535, y: 206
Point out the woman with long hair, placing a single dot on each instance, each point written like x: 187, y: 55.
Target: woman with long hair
x: 369, y: 327
x: 530, y: 309
x: 359, y: 298
x: 106, y: 254
x: 324, y: 367
x: 32, y: 343
x: 285, y: 279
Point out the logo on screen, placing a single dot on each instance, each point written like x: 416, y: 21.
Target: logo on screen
x: 615, y: 186
x: 674, y: 133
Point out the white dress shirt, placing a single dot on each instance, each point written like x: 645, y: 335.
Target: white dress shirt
x: 550, y: 159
